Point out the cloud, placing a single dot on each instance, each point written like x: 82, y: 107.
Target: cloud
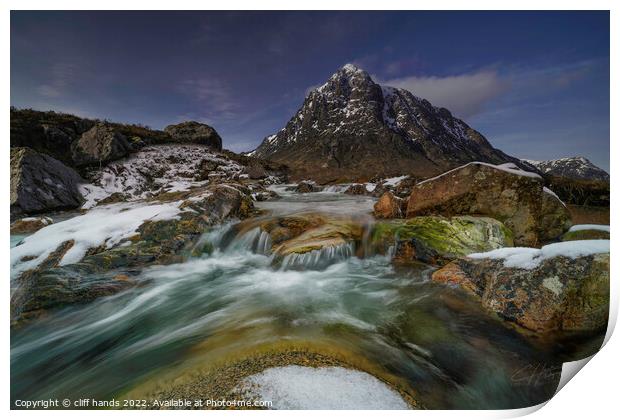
x: 62, y: 74
x: 464, y: 95
x: 214, y: 96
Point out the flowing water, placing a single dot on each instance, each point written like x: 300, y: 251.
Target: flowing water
x: 451, y: 353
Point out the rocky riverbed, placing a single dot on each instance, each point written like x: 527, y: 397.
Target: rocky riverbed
x: 189, y: 273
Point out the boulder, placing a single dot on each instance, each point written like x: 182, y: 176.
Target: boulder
x: 100, y: 144
x: 195, y: 132
x: 504, y: 192
x: 585, y: 234
x: 333, y: 233
x: 29, y: 225
x: 41, y: 183
x: 438, y: 240
x: 303, y: 240
x: 256, y: 171
x: 307, y: 187
x: 389, y: 206
x: 556, y: 294
x: 357, y: 189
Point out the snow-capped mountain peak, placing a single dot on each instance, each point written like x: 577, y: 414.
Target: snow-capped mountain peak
x: 356, y: 128
x: 577, y: 167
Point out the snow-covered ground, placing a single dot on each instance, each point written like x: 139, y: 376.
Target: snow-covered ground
x: 154, y: 169
x: 530, y: 258
x: 325, y: 388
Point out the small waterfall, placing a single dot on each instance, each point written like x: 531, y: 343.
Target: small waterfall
x: 367, y: 248
x: 255, y: 240
x: 264, y: 243
x: 318, y: 258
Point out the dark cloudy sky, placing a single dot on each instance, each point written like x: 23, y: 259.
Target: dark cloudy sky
x: 536, y: 84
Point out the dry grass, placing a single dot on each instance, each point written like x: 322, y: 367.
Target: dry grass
x: 589, y: 214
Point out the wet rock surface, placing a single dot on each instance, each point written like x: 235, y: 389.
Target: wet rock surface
x: 29, y: 224
x: 389, y: 207
x: 438, y: 240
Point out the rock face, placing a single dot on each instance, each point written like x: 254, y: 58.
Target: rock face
x: 560, y: 294
x: 504, y: 192
x: 389, y: 206
x: 50, y: 133
x: 573, y: 167
x: 195, y: 132
x: 41, y: 183
x: 438, y: 240
x: 352, y: 128
x: 100, y: 144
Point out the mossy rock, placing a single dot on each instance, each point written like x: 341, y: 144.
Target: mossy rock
x: 437, y: 240
x: 580, y: 235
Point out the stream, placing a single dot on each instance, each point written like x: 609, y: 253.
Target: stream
x: 435, y: 339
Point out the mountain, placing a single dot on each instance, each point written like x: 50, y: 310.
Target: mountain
x: 352, y: 128
x: 572, y: 167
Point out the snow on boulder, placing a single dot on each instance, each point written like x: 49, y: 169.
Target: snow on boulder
x: 105, y: 225
x: 504, y: 192
x: 576, y: 228
x: 562, y: 287
x: 325, y: 388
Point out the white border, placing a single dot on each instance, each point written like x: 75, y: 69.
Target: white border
x: 592, y: 395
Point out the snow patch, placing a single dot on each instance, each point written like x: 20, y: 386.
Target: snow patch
x: 575, y: 228
x: 393, y: 182
x: 530, y: 258
x: 106, y: 225
x: 506, y: 167
x: 548, y: 191
x: 325, y: 388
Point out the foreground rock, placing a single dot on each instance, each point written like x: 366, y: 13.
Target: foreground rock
x: 389, y: 207
x: 195, y: 132
x: 504, y: 192
x: 438, y: 240
x: 358, y: 189
x: 106, y: 270
x: 99, y: 145
x: 226, y: 379
x: 41, y: 183
x: 307, y: 187
x: 304, y: 240
x: 29, y: 225
x: 556, y: 289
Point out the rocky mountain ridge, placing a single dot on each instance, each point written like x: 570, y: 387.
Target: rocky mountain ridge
x: 571, y: 167
x: 355, y: 129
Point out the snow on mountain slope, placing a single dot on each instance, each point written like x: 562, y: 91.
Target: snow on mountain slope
x: 351, y: 127
x: 572, y: 167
